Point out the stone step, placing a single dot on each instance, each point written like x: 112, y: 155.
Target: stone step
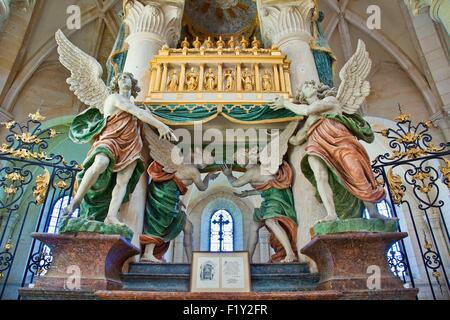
x: 256, y: 268
x: 176, y: 277
x: 159, y: 268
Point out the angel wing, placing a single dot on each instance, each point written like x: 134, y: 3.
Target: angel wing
x: 271, y: 157
x: 85, y: 73
x: 164, y: 152
x: 354, y: 88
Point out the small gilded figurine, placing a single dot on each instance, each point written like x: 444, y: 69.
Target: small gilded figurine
x: 192, y: 80
x: 248, y: 80
x: 267, y: 81
x: 229, y: 80
x: 210, y: 80
x: 173, y: 81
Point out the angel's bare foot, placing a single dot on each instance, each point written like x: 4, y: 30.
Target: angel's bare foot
x: 114, y: 222
x: 289, y: 258
x: 329, y: 218
x: 150, y: 258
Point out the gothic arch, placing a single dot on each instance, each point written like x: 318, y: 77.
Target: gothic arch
x: 99, y: 12
x: 344, y: 15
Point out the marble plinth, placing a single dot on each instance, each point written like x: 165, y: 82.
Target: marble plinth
x: 346, y: 263
x: 99, y: 258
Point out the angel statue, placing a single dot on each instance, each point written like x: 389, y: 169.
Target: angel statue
x: 272, y: 179
x: 335, y: 162
x: 113, y: 123
x: 164, y: 214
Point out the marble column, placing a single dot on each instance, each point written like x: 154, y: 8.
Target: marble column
x: 286, y: 24
x: 151, y: 26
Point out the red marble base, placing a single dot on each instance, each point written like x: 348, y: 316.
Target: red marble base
x: 144, y: 295
x: 98, y: 258
x: 397, y: 294
x: 346, y: 261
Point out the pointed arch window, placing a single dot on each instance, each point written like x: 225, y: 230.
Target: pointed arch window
x: 221, y: 232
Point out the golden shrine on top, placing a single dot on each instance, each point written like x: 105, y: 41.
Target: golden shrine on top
x: 219, y: 71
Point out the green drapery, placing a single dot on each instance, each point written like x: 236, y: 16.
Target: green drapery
x: 162, y: 217
x: 360, y: 128
x: 322, y: 53
x: 187, y: 114
x: 324, y: 64
x: 95, y: 204
x: 86, y: 126
x: 277, y: 203
x: 347, y: 205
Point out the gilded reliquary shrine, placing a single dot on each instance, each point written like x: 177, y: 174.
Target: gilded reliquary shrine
x: 221, y: 72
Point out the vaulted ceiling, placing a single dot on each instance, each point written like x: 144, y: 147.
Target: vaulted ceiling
x: 394, y: 47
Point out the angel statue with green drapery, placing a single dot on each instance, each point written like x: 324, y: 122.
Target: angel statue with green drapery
x: 336, y: 163
x: 271, y: 178
x: 114, y: 125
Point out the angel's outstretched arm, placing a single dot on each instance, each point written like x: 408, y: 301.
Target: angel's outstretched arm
x: 203, y: 185
x: 319, y: 107
x: 142, y: 114
x: 199, y: 183
x: 236, y: 182
x: 146, y: 116
x: 248, y: 193
x: 299, y: 109
x: 242, y: 180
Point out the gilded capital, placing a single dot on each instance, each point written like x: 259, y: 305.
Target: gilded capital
x: 282, y: 20
x: 160, y: 19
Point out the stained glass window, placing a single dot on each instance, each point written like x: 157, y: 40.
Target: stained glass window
x: 58, y: 208
x: 394, y: 255
x: 221, y: 232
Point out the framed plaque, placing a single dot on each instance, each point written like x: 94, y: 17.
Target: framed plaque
x: 220, y: 272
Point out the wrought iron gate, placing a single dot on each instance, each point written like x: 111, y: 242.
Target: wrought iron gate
x: 31, y: 183
x: 416, y: 174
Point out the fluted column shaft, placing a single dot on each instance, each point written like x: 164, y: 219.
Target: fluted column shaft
x: 286, y: 24
x: 151, y: 26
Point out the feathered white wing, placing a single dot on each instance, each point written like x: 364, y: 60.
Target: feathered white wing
x: 164, y: 152
x: 85, y: 73
x: 271, y: 157
x: 354, y: 88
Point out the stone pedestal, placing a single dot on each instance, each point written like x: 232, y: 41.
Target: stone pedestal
x: 98, y: 258
x: 346, y: 262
